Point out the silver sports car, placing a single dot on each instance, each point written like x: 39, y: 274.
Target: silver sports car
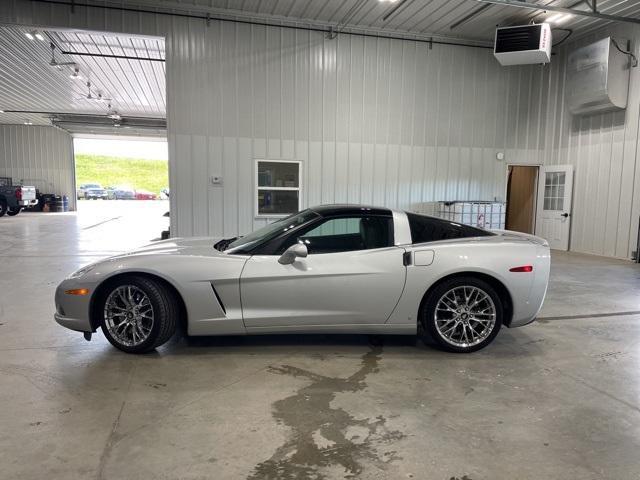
x: 327, y: 269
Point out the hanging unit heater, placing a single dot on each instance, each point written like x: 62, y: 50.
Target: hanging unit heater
x: 523, y: 45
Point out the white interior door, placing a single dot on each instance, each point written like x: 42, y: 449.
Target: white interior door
x: 555, y: 185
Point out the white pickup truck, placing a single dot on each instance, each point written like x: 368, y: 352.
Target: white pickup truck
x: 14, y: 198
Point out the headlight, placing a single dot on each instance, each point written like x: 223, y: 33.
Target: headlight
x: 82, y: 271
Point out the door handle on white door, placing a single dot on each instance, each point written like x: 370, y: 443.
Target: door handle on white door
x: 565, y: 215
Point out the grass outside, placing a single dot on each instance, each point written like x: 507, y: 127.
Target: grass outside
x: 138, y: 173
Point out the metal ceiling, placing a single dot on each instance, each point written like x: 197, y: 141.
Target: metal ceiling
x: 470, y: 20
x: 128, y: 72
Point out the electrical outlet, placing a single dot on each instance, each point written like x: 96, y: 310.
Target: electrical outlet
x: 216, y: 180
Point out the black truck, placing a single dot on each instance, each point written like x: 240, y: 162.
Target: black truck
x: 13, y: 198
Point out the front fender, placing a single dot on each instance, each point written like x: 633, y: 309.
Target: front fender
x: 194, y: 277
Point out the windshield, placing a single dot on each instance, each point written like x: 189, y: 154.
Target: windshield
x: 271, y: 231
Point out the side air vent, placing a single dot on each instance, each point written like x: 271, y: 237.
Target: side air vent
x: 219, y: 299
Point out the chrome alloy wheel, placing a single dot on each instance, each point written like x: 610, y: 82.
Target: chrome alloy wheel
x: 128, y: 315
x: 465, y: 316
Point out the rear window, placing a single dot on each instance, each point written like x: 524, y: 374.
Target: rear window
x: 430, y: 229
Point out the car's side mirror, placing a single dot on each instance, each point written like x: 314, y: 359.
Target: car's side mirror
x: 294, y: 251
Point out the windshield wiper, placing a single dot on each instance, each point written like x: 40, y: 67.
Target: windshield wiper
x: 223, y: 244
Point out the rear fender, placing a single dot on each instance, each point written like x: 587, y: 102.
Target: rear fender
x: 492, y: 259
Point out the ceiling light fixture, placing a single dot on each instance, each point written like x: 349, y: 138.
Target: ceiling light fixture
x: 1, y: 111
x: 387, y: 1
x: 39, y: 36
x: 28, y: 122
x: 29, y: 35
x: 76, y: 74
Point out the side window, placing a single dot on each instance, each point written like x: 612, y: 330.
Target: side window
x: 345, y: 234
x: 429, y: 229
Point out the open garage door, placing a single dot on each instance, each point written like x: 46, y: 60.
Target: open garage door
x: 122, y: 185
x: 63, y: 90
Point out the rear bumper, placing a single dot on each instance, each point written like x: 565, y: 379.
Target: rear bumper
x: 77, y: 324
x: 526, y: 312
x: 27, y: 203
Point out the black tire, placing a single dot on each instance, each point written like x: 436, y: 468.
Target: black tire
x: 13, y: 212
x: 429, y: 330
x: 3, y: 208
x: 165, y: 312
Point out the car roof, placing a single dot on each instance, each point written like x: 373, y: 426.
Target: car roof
x: 349, y: 209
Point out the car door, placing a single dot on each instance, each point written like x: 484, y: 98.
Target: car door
x: 352, y: 275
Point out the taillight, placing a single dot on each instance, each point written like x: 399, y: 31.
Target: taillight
x: 524, y: 268
x: 19, y: 193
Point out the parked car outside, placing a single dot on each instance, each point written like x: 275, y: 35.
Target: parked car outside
x: 92, y: 191
x: 145, y: 195
x: 83, y: 188
x: 124, y: 192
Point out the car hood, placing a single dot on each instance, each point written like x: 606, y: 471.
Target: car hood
x: 187, y: 247
x: 191, y: 245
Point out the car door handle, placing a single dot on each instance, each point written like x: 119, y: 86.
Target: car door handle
x: 565, y: 215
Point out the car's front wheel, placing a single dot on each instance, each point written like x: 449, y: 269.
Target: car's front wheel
x: 138, y: 314
x: 462, y: 314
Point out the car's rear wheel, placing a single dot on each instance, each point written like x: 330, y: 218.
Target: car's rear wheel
x: 462, y: 314
x: 12, y: 212
x: 138, y: 314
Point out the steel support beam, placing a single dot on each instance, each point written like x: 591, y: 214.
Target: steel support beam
x: 550, y: 8
x: 470, y: 16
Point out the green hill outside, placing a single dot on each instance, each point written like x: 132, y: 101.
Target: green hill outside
x: 138, y: 173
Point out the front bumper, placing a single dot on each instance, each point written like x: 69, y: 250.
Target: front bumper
x: 77, y: 324
x: 72, y: 311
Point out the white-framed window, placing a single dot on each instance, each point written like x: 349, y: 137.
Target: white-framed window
x: 278, y: 187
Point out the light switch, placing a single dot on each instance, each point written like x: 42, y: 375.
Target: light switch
x: 216, y: 180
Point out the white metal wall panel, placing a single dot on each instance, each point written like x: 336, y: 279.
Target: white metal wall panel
x: 603, y: 149
x: 373, y: 120
x: 38, y: 156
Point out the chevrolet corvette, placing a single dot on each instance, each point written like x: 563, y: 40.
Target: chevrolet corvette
x: 327, y: 269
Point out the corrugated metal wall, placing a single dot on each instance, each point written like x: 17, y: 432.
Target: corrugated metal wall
x: 603, y: 149
x: 374, y: 121
x: 38, y: 156
x: 377, y: 121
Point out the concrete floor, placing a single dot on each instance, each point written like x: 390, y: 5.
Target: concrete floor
x: 556, y: 399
